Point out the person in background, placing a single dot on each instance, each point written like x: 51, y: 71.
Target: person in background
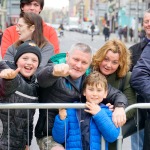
x: 62, y: 83
x: 10, y: 35
x: 18, y: 85
x: 91, y: 123
x: 131, y: 33
x: 61, y: 29
x: 113, y: 61
x: 1, y: 34
x: 136, y: 50
x: 106, y: 32
x: 29, y: 27
x: 92, y: 31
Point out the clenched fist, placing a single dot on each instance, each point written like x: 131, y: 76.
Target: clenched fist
x: 61, y: 70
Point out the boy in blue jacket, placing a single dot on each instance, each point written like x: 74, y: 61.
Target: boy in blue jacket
x: 82, y: 129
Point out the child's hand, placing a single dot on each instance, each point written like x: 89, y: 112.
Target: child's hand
x: 9, y: 73
x: 110, y: 106
x: 92, y: 108
x: 62, y: 113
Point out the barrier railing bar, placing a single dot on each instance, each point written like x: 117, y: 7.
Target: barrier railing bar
x: 40, y: 105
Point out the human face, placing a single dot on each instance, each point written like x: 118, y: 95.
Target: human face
x: 78, y: 62
x: 23, y: 30
x: 146, y: 24
x: 94, y: 93
x: 110, y: 63
x: 33, y: 6
x: 28, y: 64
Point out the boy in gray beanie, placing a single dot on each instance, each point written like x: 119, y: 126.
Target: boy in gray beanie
x: 18, y: 85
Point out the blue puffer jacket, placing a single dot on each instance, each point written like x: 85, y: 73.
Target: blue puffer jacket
x: 100, y: 124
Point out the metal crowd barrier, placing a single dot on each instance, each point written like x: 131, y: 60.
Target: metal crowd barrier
x: 133, y: 106
x: 70, y: 105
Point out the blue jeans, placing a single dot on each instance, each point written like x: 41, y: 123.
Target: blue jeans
x: 137, y: 140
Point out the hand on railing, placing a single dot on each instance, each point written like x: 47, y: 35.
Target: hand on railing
x: 119, y: 116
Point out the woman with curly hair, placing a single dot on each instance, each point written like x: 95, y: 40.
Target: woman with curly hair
x: 113, y: 61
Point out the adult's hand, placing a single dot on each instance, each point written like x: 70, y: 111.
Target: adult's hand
x: 119, y: 116
x: 61, y: 70
x: 9, y: 73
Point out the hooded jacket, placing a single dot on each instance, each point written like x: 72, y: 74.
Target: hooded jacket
x: 57, y: 90
x: 17, y: 90
x: 100, y: 125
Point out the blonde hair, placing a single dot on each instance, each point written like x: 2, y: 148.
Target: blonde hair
x: 116, y: 46
x: 95, y: 78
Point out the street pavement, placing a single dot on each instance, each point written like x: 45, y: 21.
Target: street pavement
x: 65, y: 44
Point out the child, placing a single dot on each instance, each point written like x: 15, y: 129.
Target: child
x: 82, y: 129
x: 17, y: 85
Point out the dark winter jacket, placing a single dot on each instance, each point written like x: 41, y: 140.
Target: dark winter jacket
x: 136, y: 51
x: 57, y: 90
x: 100, y: 124
x: 17, y: 90
x: 140, y: 79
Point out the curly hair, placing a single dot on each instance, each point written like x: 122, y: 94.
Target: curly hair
x: 116, y: 46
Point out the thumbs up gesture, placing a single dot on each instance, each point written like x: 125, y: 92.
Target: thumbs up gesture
x: 9, y: 73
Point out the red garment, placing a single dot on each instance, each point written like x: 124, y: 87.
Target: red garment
x: 10, y: 36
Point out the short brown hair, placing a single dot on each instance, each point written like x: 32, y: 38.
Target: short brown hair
x: 95, y: 78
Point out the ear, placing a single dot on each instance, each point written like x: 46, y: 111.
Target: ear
x: 84, y: 93
x: 32, y: 28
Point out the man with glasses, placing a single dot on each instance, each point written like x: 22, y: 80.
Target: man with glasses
x: 10, y: 35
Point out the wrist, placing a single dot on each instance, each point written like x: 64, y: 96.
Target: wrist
x: 120, y: 104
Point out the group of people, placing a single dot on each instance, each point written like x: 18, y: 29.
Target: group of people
x: 34, y: 71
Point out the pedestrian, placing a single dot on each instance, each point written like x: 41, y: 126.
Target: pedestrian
x: 131, y: 33
x: 29, y: 27
x: 62, y: 83
x: 113, y: 61
x: 106, y: 32
x: 1, y: 34
x: 83, y: 128
x: 18, y: 85
x: 120, y: 32
x: 136, y: 51
x: 10, y: 35
x: 61, y: 30
x: 92, y: 31
x: 125, y: 29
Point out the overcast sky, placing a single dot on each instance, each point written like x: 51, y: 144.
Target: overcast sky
x: 56, y: 3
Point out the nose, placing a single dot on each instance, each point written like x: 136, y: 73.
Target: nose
x: 78, y: 64
x: 108, y: 64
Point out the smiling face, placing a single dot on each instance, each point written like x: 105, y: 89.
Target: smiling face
x: 23, y: 30
x: 110, y: 63
x: 78, y: 62
x: 146, y: 24
x: 33, y: 6
x: 95, y: 93
x: 28, y: 63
